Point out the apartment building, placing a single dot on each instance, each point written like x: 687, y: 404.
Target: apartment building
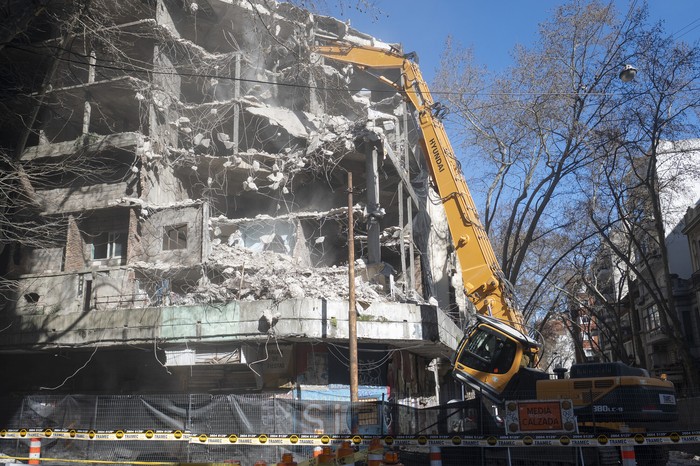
x: 643, y: 326
x: 184, y: 168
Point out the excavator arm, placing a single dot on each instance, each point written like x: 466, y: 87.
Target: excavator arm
x: 494, y: 350
x: 481, y: 273
x: 496, y: 356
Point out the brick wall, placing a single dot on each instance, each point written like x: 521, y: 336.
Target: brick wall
x: 75, y: 247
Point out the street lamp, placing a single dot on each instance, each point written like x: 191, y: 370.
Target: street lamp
x: 628, y: 73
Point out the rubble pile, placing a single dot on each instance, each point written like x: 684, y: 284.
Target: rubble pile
x: 248, y: 275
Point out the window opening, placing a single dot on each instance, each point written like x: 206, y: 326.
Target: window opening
x: 175, y: 237
x: 108, y: 245
x: 87, y: 297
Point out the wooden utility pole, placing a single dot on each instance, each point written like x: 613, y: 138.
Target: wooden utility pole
x: 352, y: 315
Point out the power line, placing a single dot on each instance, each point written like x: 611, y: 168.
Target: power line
x: 675, y: 34
x: 303, y: 86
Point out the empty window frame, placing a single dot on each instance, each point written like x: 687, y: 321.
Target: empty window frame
x: 175, y: 237
x: 109, y: 245
x: 651, y: 319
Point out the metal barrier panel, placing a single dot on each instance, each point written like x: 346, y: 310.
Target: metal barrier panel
x: 252, y: 428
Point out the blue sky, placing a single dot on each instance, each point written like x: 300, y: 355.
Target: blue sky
x: 492, y: 28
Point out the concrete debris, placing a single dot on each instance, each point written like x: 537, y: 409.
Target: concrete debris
x: 133, y: 201
x: 363, y: 97
x: 391, y: 236
x: 222, y: 220
x: 268, y: 270
x: 296, y: 124
x: 249, y: 275
x: 276, y: 179
x: 249, y: 184
x: 329, y: 129
x: 201, y: 140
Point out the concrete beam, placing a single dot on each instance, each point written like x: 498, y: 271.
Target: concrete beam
x: 117, y: 140
x: 394, y: 324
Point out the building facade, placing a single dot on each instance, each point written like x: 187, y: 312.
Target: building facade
x: 646, y: 332
x: 190, y: 162
x: 691, y: 320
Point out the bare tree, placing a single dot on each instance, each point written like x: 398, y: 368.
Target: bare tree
x: 629, y: 192
x: 597, y: 297
x: 535, y: 128
x: 557, y: 116
x: 25, y: 221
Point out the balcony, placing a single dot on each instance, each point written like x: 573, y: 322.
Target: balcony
x: 398, y: 324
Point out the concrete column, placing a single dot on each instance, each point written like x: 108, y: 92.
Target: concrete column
x: 133, y: 244
x: 374, y: 254
x: 87, y: 112
x: 402, y: 137
x: 410, y: 282
x: 236, y: 103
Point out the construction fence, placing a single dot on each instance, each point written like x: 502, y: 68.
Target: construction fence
x: 262, y: 428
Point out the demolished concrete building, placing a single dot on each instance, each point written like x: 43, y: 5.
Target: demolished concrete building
x: 193, y: 156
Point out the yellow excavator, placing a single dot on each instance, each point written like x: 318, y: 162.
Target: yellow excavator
x: 497, y: 358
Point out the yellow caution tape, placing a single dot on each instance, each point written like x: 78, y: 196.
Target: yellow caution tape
x: 96, y: 435
x: 69, y: 460
x: 554, y: 440
x: 145, y: 463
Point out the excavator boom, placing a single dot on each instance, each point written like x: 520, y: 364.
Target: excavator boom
x: 496, y: 356
x: 481, y: 272
x: 493, y: 351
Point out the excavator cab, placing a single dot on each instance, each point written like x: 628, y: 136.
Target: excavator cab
x: 491, y: 354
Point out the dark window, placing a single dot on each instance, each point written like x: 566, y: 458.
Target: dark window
x: 99, y: 247
x: 175, y: 237
x: 488, y: 351
x: 87, y: 296
x: 651, y: 319
x: 108, y: 245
